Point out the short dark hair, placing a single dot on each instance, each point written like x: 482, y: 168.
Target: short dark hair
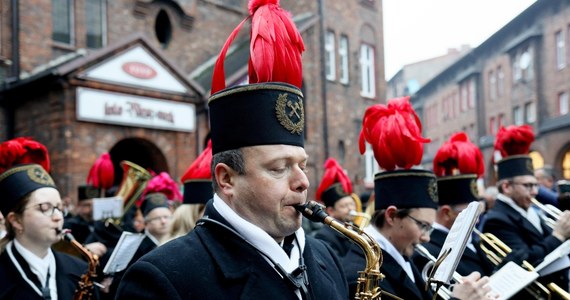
x: 378, y: 217
x: 233, y: 158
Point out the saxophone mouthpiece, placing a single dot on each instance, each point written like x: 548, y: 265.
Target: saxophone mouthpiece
x: 66, y: 233
x: 312, y: 211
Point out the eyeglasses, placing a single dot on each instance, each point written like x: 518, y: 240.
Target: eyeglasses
x: 424, y: 227
x: 528, y: 185
x: 48, y: 209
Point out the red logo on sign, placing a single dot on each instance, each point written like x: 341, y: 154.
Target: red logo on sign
x: 139, y: 70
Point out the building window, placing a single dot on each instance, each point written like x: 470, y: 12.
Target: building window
x: 163, y: 28
x: 530, y: 112
x: 95, y: 16
x: 343, y: 56
x: 492, y: 85
x: 368, y: 88
x: 518, y: 115
x: 526, y: 65
x: 563, y: 103
x: 62, y: 21
x: 371, y: 164
x: 472, y: 93
x: 464, y: 97
x: 500, y: 122
x: 500, y: 82
x: 329, y: 56
x: 566, y: 165
x: 560, y: 51
x: 517, y: 74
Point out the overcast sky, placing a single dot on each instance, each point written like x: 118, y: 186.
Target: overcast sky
x: 415, y: 30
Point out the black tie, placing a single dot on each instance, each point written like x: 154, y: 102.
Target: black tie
x: 288, y: 244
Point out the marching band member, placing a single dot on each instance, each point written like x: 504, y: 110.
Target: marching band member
x: 335, y: 191
x: 259, y: 164
x: 29, y: 269
x: 405, y: 203
x: 513, y: 219
x: 458, y: 163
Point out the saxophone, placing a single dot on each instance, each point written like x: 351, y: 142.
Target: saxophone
x: 84, y: 290
x: 368, y: 281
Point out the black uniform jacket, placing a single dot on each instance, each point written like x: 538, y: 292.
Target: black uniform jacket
x: 470, y: 261
x: 68, y: 274
x: 397, y: 282
x: 519, y: 234
x: 338, y: 242
x: 211, y: 262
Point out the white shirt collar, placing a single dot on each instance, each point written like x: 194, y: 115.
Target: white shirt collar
x: 388, y: 247
x: 440, y: 227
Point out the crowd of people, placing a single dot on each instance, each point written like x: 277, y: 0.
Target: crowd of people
x: 235, y: 232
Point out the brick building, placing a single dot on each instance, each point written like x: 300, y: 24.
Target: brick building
x: 132, y: 77
x: 520, y: 75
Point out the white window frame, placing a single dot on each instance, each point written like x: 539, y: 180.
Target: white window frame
x: 343, y: 59
x: 492, y: 85
x: 372, y: 166
x: 500, y: 81
x: 368, y: 71
x: 330, y: 64
x: 518, y: 117
x: 71, y: 6
x: 472, y: 93
x: 560, y: 51
x: 103, y: 23
x: 530, y: 112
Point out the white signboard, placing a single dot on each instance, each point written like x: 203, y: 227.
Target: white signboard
x: 104, y: 208
x: 136, y: 67
x: 123, y: 109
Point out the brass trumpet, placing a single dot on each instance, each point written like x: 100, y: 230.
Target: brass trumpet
x: 552, y: 211
x: 496, y: 251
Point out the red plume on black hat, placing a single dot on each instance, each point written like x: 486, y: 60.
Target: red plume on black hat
x: 514, y: 140
x: 201, y: 167
x: 334, y: 173
x: 102, y: 173
x: 275, y: 48
x: 458, y: 156
x: 23, y: 150
x: 394, y: 131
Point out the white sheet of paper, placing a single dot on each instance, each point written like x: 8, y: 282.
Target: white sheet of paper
x: 510, y: 279
x: 555, y: 260
x: 104, y: 208
x: 457, y: 239
x: 124, y: 252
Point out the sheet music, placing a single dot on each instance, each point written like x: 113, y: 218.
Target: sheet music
x: 555, y: 260
x: 510, y: 279
x: 457, y: 240
x: 124, y: 252
x: 104, y: 208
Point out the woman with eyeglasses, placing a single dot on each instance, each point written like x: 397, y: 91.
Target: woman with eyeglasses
x: 33, y: 212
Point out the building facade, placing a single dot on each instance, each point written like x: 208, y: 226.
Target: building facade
x: 520, y: 75
x: 132, y: 78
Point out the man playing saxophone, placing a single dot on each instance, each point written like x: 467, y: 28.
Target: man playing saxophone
x: 405, y: 203
x: 250, y: 244
x: 513, y: 220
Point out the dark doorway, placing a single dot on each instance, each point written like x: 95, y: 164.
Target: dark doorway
x: 140, y: 152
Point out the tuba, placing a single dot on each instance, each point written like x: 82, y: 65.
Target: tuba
x: 84, y: 290
x: 135, y: 179
x: 368, y: 281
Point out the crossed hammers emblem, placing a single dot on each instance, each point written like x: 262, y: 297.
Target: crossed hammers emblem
x: 294, y: 109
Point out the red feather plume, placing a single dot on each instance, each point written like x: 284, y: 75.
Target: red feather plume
x: 275, y: 47
x: 102, y: 173
x: 23, y: 150
x: 514, y: 140
x: 394, y: 131
x: 458, y: 156
x: 163, y: 183
x: 200, y: 168
x: 333, y: 173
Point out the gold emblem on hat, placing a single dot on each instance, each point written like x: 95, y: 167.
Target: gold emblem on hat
x: 38, y: 175
x: 473, y: 186
x: 156, y: 198
x: 288, y: 110
x: 529, y: 166
x: 339, y: 190
x: 91, y: 192
x: 432, y: 190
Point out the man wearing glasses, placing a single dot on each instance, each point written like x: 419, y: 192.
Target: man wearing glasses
x: 513, y: 219
x: 405, y: 204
